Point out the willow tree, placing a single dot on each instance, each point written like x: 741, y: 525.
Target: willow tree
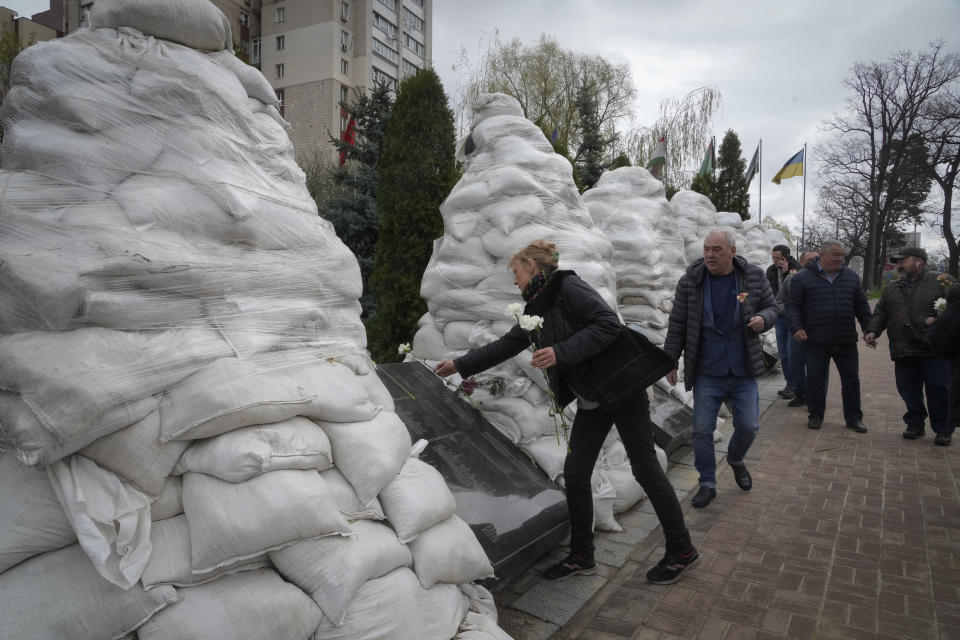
x: 684, y: 124
x: 547, y: 80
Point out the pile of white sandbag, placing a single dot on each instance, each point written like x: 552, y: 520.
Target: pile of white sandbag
x: 654, y: 241
x: 515, y: 190
x: 195, y: 444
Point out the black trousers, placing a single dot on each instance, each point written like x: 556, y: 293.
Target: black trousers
x: 847, y: 359
x: 590, y: 429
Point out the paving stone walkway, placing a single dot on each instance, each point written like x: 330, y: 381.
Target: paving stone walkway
x: 844, y: 535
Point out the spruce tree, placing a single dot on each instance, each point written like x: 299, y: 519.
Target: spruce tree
x: 730, y: 188
x: 352, y: 206
x: 417, y: 172
x: 589, y: 166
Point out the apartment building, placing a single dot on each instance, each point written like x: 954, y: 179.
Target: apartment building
x: 315, y: 53
x: 25, y: 30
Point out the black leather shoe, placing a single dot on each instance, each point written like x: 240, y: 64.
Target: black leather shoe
x: 815, y: 423
x: 913, y: 431
x: 857, y: 426
x: 742, y: 476
x: 797, y: 402
x: 943, y: 439
x: 704, y: 497
x: 786, y: 392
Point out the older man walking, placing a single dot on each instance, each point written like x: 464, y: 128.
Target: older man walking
x: 906, y: 310
x: 721, y: 305
x: 826, y: 300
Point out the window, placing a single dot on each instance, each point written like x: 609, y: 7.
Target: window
x: 412, y: 44
x: 409, y: 68
x: 281, y: 42
x: 343, y: 123
x: 389, y: 4
x: 384, y: 78
x: 344, y: 40
x: 244, y: 18
x: 344, y: 67
x: 279, y: 71
x: 344, y: 94
x: 419, y: 3
x: 255, y: 53
x: 344, y: 11
x: 280, y: 106
x: 385, y: 25
x: 412, y: 20
x: 385, y: 52
x: 281, y: 14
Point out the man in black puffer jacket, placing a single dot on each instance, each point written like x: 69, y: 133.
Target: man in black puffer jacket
x: 826, y: 300
x: 721, y: 305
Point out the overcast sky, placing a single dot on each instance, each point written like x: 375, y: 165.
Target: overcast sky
x: 778, y: 66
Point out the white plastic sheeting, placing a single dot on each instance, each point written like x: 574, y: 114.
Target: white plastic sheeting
x: 167, y: 290
x: 514, y: 190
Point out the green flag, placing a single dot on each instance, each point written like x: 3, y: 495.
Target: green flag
x: 658, y: 160
x: 709, y: 161
x: 754, y: 167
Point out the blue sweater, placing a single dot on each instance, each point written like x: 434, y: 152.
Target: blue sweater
x: 827, y: 311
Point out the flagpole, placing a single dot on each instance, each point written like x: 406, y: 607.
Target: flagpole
x: 803, y: 211
x: 760, y: 183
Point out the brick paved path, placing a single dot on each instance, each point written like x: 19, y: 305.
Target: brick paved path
x: 844, y: 535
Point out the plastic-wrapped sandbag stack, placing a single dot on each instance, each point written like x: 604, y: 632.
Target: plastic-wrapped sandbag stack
x: 515, y: 190
x: 654, y: 241
x: 195, y: 442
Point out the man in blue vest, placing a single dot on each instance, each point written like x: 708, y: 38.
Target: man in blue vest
x: 721, y: 305
x: 826, y: 300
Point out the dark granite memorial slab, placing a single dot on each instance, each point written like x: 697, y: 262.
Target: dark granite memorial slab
x: 515, y: 511
x: 672, y: 420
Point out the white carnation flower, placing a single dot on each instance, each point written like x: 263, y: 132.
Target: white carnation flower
x: 940, y: 304
x: 514, y: 309
x: 531, y: 323
x: 404, y: 348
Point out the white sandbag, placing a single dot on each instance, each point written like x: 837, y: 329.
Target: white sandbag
x: 604, y: 496
x: 75, y: 382
x: 396, y: 607
x: 449, y: 552
x: 250, y: 77
x: 256, y: 604
x: 403, y: 502
x: 347, y: 500
x: 170, y: 561
x: 32, y: 520
x: 111, y: 518
x: 60, y: 596
x: 331, y: 570
x: 199, y: 25
x: 229, y: 522
x: 628, y: 490
x: 237, y: 456
x: 231, y: 393
x: 136, y: 454
x: 369, y: 454
x: 170, y: 501
x: 549, y: 454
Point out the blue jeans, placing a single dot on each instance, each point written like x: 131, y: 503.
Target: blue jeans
x: 783, y: 350
x: 915, y: 374
x: 708, y: 393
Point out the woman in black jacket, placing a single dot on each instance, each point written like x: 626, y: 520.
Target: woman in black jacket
x: 577, y: 326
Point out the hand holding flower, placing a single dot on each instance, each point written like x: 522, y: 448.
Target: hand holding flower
x: 544, y: 358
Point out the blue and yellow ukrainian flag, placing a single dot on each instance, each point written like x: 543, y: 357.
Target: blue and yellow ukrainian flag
x: 792, y: 169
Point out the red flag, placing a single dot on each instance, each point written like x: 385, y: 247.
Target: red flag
x: 350, y: 137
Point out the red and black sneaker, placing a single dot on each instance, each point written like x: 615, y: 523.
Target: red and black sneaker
x: 669, y: 569
x: 575, y: 563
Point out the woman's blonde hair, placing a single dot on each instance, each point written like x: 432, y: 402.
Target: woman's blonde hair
x: 544, y: 254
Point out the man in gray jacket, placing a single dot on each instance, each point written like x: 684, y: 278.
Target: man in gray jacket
x: 721, y: 305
